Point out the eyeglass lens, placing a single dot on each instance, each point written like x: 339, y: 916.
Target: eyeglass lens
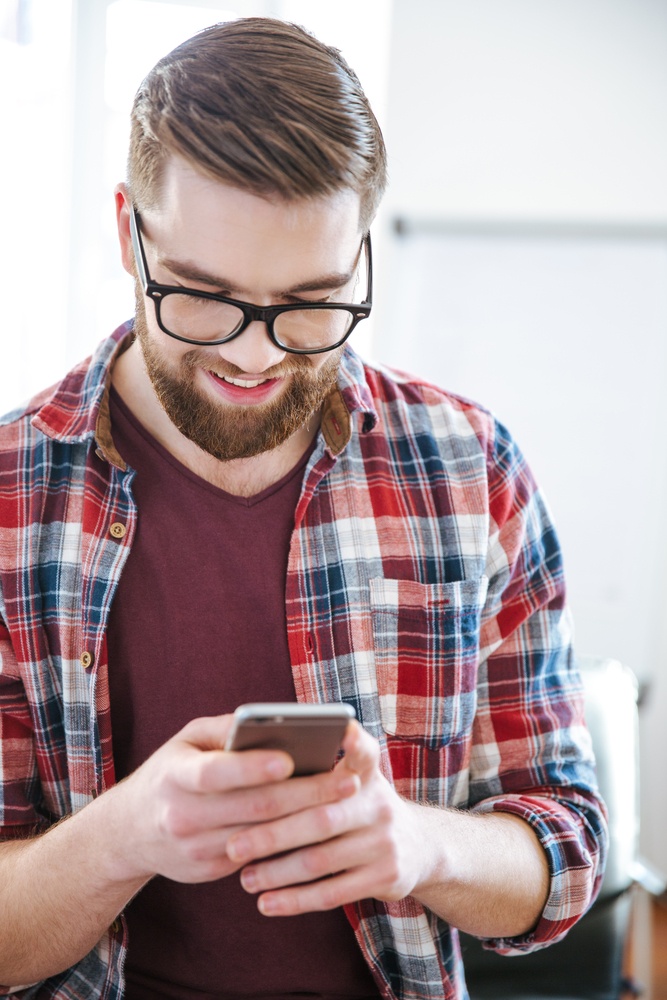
x: 207, y: 319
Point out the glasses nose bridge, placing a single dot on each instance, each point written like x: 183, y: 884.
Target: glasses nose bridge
x: 258, y: 314
x: 260, y: 349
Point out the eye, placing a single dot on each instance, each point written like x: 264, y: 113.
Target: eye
x: 311, y: 302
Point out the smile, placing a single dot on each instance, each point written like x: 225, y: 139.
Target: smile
x: 244, y: 383
x: 244, y: 391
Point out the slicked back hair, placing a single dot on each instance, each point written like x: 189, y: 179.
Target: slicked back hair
x: 262, y: 105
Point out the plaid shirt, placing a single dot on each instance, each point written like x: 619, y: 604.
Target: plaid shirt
x: 424, y: 587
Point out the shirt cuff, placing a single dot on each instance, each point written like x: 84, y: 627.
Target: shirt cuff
x: 573, y: 849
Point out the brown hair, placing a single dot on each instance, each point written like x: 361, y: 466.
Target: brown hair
x: 264, y: 106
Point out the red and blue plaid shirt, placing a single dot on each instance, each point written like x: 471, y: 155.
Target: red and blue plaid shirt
x: 424, y: 587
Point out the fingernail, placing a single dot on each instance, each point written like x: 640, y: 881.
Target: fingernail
x: 249, y: 879
x: 268, y: 905
x: 238, y: 848
x: 279, y: 767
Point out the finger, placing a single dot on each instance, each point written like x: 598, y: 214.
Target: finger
x: 220, y: 770
x: 328, y: 894
x: 362, y: 751
x: 311, y: 864
x: 261, y: 804
x: 310, y: 826
x: 207, y: 732
x: 285, y: 798
x: 200, y: 859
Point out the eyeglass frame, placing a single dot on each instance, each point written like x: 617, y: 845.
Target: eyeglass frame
x: 251, y: 313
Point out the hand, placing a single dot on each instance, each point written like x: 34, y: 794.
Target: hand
x: 175, y: 814
x: 339, y: 851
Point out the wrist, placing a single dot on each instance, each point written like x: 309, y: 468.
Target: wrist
x: 434, y: 849
x: 110, y: 821
x: 485, y: 874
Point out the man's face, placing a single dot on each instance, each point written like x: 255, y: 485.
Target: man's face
x: 248, y: 396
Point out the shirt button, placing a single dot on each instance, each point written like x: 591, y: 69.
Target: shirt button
x: 86, y: 659
x: 118, y: 529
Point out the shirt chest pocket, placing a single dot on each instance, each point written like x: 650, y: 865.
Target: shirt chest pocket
x: 426, y: 643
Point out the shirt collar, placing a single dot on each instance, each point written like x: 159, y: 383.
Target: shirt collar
x: 77, y: 409
x: 351, y: 395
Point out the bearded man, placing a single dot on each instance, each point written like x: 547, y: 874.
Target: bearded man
x: 226, y: 505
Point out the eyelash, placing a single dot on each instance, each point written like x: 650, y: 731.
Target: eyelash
x: 308, y: 302
x: 289, y: 300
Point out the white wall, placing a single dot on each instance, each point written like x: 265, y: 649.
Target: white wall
x: 34, y: 182
x: 528, y: 151
x: 529, y: 108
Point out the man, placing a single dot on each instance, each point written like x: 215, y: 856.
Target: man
x: 225, y: 505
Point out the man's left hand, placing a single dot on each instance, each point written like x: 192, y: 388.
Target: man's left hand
x: 363, y: 846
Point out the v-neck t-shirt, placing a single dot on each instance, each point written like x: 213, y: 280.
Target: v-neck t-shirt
x: 198, y: 627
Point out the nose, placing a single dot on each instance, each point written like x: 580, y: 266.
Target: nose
x: 252, y: 351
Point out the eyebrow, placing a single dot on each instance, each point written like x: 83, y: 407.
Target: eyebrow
x: 190, y: 272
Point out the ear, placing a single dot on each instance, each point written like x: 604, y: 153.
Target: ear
x: 123, y: 209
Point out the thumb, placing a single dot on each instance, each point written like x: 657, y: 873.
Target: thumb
x: 362, y: 752
x: 207, y: 732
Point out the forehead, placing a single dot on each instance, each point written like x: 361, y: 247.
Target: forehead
x: 260, y: 244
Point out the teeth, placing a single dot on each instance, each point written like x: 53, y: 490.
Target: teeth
x: 244, y: 383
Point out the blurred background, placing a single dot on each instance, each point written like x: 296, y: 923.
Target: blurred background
x: 521, y: 250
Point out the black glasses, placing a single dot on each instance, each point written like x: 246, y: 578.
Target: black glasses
x: 205, y: 318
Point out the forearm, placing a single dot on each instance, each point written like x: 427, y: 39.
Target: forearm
x: 172, y: 817
x: 485, y: 874
x: 59, y: 893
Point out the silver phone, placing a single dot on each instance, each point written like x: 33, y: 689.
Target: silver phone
x: 310, y: 734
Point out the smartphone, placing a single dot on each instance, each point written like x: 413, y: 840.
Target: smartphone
x: 310, y: 734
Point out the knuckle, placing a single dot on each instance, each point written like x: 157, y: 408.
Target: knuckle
x: 393, y: 871
x: 325, y: 821
x: 203, y: 857
x: 265, y: 842
x: 315, y: 861
x: 196, y: 853
x: 373, y: 749
x: 392, y: 874
x: 186, y: 733
x: 175, y: 823
x: 330, y: 896
x: 390, y: 853
x: 206, y: 773
x: 384, y: 812
x: 263, y: 805
x: 209, y: 869
x: 327, y: 788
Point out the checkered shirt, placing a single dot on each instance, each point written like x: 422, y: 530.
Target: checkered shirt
x: 424, y: 587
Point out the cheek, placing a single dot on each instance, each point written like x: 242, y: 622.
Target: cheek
x: 324, y: 363
x: 161, y: 351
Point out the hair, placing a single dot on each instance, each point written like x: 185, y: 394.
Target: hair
x: 262, y: 105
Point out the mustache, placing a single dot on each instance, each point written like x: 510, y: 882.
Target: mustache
x: 199, y: 358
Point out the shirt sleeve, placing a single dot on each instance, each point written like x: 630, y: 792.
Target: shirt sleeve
x: 19, y: 780
x: 532, y: 753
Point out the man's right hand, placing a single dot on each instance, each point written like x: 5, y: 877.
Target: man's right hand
x: 59, y: 892
x: 175, y: 814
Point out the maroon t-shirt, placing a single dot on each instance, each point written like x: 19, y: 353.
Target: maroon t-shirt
x: 197, y: 627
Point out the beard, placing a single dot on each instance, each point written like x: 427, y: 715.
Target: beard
x: 228, y: 431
